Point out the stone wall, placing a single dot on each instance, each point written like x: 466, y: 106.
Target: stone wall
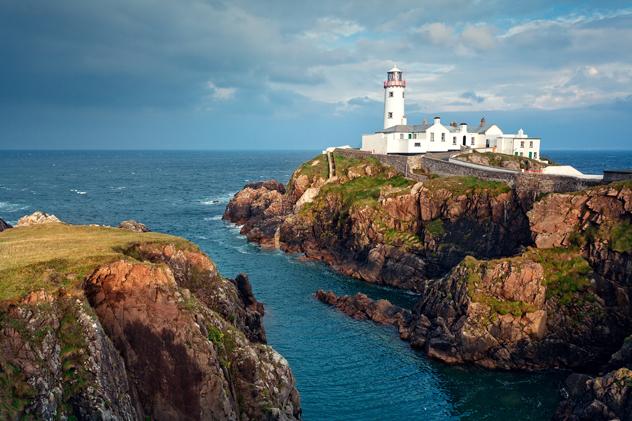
x: 543, y: 183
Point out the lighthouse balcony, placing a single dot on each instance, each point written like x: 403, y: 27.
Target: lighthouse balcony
x: 392, y: 83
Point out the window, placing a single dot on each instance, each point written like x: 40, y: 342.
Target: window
x: 417, y: 144
x: 390, y: 94
x: 454, y: 140
x: 390, y: 115
x: 401, y: 135
x: 531, y: 143
x: 414, y: 135
x: 472, y: 141
x: 522, y: 143
x: 402, y: 94
x: 535, y: 155
x: 432, y: 137
x: 443, y: 137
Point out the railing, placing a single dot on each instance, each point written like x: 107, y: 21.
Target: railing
x: 393, y: 83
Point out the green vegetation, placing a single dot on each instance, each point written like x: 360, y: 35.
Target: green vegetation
x: 405, y: 240
x: 75, y: 375
x: 435, y: 228
x: 621, y: 237
x: 364, y: 189
x: 315, y: 167
x: 458, y: 185
x: 15, y: 392
x: 343, y: 163
x: 53, y: 256
x: 566, y: 272
x: 216, y: 336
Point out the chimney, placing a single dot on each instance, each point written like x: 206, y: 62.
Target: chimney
x: 453, y: 124
x: 482, y: 121
x: 437, y: 120
x: 463, y: 127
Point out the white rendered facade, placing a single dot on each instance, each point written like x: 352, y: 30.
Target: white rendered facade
x: 394, y: 92
x: 398, y: 137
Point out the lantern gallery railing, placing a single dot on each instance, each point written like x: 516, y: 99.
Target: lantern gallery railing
x: 391, y: 83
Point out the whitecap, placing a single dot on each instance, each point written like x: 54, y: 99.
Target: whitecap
x: 12, y: 207
x: 78, y: 191
x: 213, y: 218
x: 217, y: 200
x: 118, y: 188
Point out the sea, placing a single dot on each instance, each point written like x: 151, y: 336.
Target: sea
x: 345, y: 369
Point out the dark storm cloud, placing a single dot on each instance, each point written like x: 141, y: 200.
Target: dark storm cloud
x: 219, y: 61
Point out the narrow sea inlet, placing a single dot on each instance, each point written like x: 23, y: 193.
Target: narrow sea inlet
x: 345, y: 369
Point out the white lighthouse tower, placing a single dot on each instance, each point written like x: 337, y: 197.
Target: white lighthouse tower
x: 394, y: 88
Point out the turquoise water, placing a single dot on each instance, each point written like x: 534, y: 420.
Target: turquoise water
x: 345, y: 369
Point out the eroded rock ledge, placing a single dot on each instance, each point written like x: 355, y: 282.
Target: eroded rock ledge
x: 152, y: 331
x: 371, y: 223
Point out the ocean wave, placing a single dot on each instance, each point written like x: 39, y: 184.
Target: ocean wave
x: 78, y: 191
x: 217, y: 200
x: 213, y: 218
x: 12, y: 207
x: 118, y: 187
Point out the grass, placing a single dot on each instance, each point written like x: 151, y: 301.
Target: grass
x: 459, y: 185
x: 364, y: 190
x: 52, y: 256
x: 315, y: 167
x: 435, y: 228
x: 621, y: 237
x: 566, y: 273
x: 343, y: 163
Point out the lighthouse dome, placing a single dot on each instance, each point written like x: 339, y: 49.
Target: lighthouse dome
x: 394, y: 69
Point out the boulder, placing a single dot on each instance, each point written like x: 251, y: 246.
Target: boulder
x: 36, y: 218
x: 4, y: 225
x: 134, y: 226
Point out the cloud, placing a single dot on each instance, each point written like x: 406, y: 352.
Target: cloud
x: 330, y: 29
x: 220, y: 94
x: 471, y: 95
x: 478, y: 37
x: 438, y: 33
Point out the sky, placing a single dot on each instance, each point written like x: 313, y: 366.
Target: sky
x: 278, y: 74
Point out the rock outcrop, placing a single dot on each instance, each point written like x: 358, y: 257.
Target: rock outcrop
x: 371, y: 223
x: 134, y: 226
x: 36, y: 218
x: 562, y: 304
x: 508, y: 278
x: 157, y: 333
x: 600, y: 398
x: 4, y: 225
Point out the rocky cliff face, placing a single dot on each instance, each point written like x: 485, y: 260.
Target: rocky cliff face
x: 545, y: 283
x: 371, y: 223
x: 563, y: 303
x: 155, y: 333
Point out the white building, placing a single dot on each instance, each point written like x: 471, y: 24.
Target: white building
x: 398, y: 137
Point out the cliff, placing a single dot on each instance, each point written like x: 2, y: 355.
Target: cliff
x: 104, y: 323
x: 371, y: 223
x: 509, y: 278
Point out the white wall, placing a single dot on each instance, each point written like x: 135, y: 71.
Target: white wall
x: 394, y: 105
x: 374, y: 143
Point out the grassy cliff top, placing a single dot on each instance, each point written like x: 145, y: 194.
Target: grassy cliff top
x: 50, y: 256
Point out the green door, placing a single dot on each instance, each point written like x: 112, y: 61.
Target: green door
x: 529, y: 154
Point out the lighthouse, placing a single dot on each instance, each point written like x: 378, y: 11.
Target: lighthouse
x: 394, y: 87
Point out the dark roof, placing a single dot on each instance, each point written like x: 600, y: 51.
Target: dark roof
x: 421, y: 128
